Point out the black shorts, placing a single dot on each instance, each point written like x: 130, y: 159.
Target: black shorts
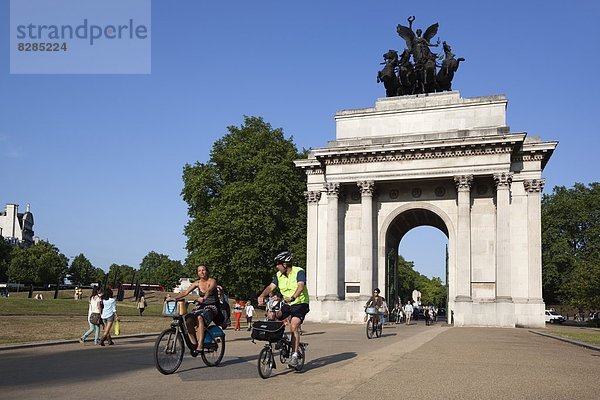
x: 296, y: 310
x: 209, y: 313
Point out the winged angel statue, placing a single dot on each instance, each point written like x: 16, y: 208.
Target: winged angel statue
x: 419, y: 76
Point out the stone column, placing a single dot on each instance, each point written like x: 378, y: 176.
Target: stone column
x: 312, y: 241
x: 463, y: 238
x: 331, y: 268
x: 366, y: 238
x: 534, y: 188
x: 503, y: 275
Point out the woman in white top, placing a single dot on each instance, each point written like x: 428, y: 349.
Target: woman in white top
x: 408, y: 310
x: 109, y: 315
x: 95, y: 307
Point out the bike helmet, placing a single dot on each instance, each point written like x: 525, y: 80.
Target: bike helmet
x: 285, y: 257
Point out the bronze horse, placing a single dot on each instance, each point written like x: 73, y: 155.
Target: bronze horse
x: 388, y: 74
x: 446, y: 73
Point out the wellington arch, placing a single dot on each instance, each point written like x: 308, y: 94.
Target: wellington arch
x: 438, y: 160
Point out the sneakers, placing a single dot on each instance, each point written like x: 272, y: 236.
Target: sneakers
x: 293, y: 360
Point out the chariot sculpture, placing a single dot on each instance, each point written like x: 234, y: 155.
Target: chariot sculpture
x: 425, y: 73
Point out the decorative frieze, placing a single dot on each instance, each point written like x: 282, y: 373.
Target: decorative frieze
x: 534, y: 185
x: 503, y: 180
x: 367, y: 188
x: 312, y: 196
x: 314, y: 171
x: 332, y: 188
x: 528, y: 157
x: 463, y: 182
x: 412, y: 154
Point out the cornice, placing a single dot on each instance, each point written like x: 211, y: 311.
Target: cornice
x: 364, y: 156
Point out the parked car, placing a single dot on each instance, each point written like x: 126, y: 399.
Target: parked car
x: 553, y: 317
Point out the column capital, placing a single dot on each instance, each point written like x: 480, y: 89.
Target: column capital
x: 332, y: 188
x: 312, y: 196
x: 503, y: 180
x: 367, y: 188
x: 463, y: 182
x: 534, y: 185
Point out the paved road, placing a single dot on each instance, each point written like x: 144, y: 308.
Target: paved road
x: 418, y: 362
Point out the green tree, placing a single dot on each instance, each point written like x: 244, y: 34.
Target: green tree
x: 159, y: 269
x: 169, y: 272
x: 98, y: 276
x: 5, y: 251
x: 245, y: 205
x: 81, y: 271
x: 39, y: 264
x: 119, y: 274
x: 582, y: 288
x: 149, y: 267
x: 433, y: 291
x: 20, y: 269
x: 570, y: 243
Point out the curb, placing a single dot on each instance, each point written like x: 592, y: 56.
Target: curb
x: 59, y: 342
x: 566, y: 340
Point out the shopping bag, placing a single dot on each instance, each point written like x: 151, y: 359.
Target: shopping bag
x: 117, y: 328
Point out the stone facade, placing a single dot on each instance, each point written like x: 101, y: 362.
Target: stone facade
x: 437, y: 160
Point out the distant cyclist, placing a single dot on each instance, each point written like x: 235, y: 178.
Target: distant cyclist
x: 377, y: 302
x: 291, y: 282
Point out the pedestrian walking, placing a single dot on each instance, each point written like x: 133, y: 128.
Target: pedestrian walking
x: 249, y: 309
x: 109, y: 315
x: 408, y: 310
x: 141, y: 303
x: 94, y: 319
x: 238, y: 308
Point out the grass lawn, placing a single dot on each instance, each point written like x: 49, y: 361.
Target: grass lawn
x: 24, y: 320
x: 591, y: 336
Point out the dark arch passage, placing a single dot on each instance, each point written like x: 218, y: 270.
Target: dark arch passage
x: 399, y: 227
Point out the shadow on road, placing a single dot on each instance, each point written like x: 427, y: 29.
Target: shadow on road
x: 328, y: 360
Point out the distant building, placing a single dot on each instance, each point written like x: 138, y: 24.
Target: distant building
x: 184, y: 283
x: 16, y: 228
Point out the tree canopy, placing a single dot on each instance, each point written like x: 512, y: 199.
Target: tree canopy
x: 39, y: 264
x: 433, y: 291
x: 81, y: 271
x: 571, y: 245
x: 245, y: 205
x: 159, y: 269
x: 5, y: 250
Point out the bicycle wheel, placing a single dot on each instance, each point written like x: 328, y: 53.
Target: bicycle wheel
x: 378, y: 329
x: 168, y: 351
x: 265, y: 362
x: 212, y: 353
x: 284, y: 353
x: 301, y: 357
x: 370, y: 328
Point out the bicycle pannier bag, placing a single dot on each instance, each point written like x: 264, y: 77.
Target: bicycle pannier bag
x: 170, y: 308
x: 271, y: 331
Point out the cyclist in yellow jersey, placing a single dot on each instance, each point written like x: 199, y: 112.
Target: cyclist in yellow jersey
x: 291, y: 282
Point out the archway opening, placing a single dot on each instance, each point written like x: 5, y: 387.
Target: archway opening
x: 417, y: 259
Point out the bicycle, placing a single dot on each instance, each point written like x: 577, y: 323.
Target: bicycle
x: 168, y: 349
x: 372, y: 326
x: 273, y: 333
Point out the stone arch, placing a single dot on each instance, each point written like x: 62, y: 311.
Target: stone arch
x: 415, y: 214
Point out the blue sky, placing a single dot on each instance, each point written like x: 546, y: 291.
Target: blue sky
x: 100, y: 157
